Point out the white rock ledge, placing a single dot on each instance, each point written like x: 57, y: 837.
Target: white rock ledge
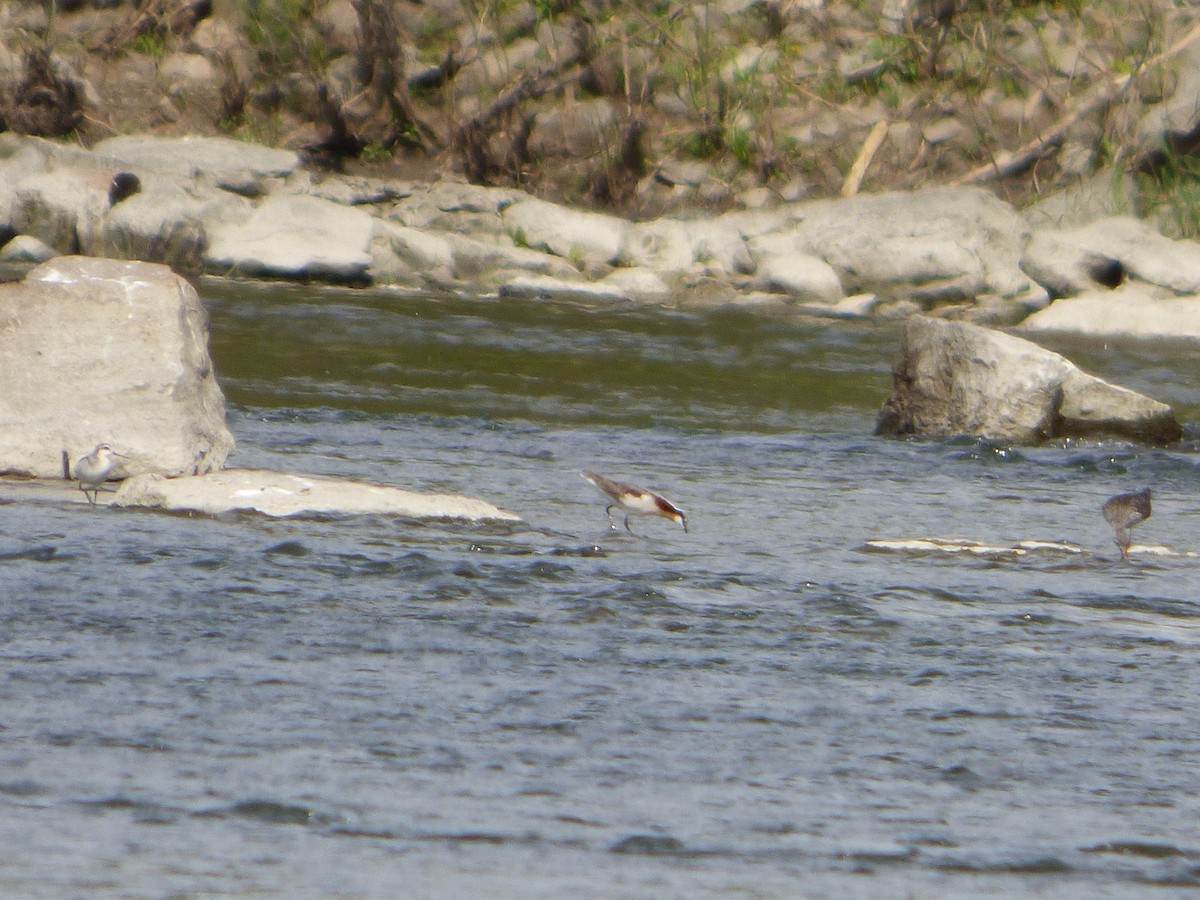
x: 279, y: 494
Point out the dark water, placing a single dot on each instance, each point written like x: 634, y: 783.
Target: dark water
x: 763, y: 707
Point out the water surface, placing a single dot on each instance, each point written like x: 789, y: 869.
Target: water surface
x: 765, y: 706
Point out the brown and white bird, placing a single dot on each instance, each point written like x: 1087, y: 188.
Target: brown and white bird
x: 93, y: 470
x: 631, y: 498
x: 1124, y: 511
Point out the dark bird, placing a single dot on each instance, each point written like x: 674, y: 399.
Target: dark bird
x: 1124, y: 511
x: 632, y: 498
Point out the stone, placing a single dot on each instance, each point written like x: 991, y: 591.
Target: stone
x: 955, y: 378
x: 493, y: 262
x: 1064, y: 267
x: 676, y: 245
x: 1143, y: 252
x: 224, y: 161
x: 62, y: 208
x: 166, y: 222
x: 26, y: 249
x: 1175, y: 120
x: 936, y: 245
x: 802, y: 277
x: 295, y: 236
x: 281, y: 494
x: 1083, y: 200
x: 399, y: 254
x: 640, y: 284
x: 107, y: 351
x: 1133, y: 310
x: 543, y: 287
x: 581, y: 237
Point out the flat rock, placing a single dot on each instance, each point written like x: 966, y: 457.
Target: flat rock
x: 279, y: 494
x: 224, y: 160
x: 295, y: 236
x: 544, y: 287
x: 100, y: 350
x: 1133, y: 310
x: 954, y: 378
x: 974, y: 548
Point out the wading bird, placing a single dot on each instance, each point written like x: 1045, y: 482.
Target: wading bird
x: 632, y: 498
x: 1124, y: 511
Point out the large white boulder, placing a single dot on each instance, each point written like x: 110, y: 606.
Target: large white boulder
x: 939, y: 244
x: 954, y: 378
x: 280, y: 494
x: 295, y: 236
x: 107, y: 351
x: 1132, y: 310
x: 1144, y: 253
x: 585, y: 238
x: 227, y: 162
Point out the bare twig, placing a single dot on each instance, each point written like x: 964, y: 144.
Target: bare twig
x: 1048, y: 140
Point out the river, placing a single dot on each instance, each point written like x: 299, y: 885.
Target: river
x: 765, y: 706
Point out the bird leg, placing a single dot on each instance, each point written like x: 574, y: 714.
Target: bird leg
x: 611, y: 523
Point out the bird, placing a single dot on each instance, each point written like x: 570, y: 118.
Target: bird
x: 1124, y: 511
x: 93, y: 470
x: 632, y: 498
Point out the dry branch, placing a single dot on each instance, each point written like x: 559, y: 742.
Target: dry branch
x: 1105, y: 93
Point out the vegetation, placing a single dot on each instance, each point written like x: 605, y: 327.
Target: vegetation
x: 585, y: 100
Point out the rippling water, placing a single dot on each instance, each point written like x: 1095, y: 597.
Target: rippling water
x: 763, y: 707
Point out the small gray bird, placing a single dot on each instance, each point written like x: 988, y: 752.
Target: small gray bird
x: 94, y: 469
x: 1124, y: 511
x: 632, y: 498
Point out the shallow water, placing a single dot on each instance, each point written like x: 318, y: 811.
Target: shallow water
x: 764, y: 706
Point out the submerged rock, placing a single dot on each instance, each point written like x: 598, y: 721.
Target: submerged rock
x: 953, y: 378
x: 107, y: 351
x: 279, y: 494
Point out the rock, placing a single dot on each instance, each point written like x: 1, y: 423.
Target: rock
x: 935, y: 245
x: 1133, y: 310
x: 399, y: 253
x: 1065, y: 267
x: 1143, y: 252
x: 860, y: 306
x: 26, y: 249
x: 278, y: 494
x: 543, y: 287
x: 801, y: 276
x: 640, y: 284
x: 99, y: 351
x: 62, y: 208
x: 224, y: 161
x: 953, y: 378
x: 585, y: 238
x: 1104, y: 194
x: 492, y: 263
x: 1175, y: 121
x: 295, y: 236
x: 676, y: 245
x: 166, y: 222
x: 187, y: 73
